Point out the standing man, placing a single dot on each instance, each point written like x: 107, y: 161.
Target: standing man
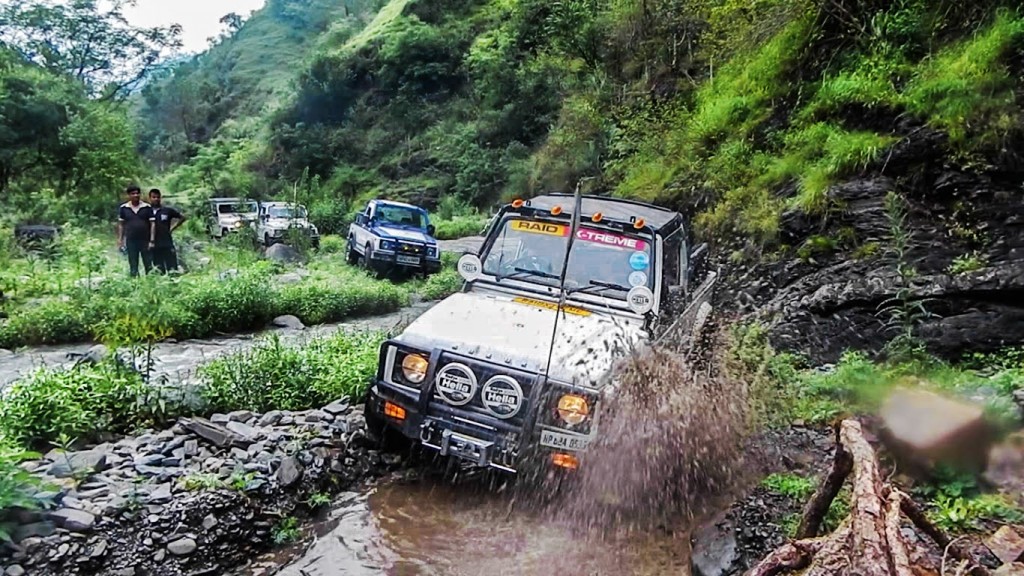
x: 134, y: 220
x: 165, y: 221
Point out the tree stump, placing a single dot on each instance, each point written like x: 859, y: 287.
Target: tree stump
x: 869, y: 542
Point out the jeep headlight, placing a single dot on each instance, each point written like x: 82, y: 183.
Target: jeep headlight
x: 387, y: 245
x: 239, y: 224
x: 573, y: 409
x: 414, y: 368
x: 431, y: 252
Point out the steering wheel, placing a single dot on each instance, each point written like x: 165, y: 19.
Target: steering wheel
x: 532, y: 263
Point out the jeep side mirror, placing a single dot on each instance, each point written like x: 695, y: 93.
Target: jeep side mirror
x: 431, y: 229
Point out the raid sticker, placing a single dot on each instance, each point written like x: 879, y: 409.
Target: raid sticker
x: 637, y: 278
x: 552, y: 306
x: 639, y: 261
x: 607, y: 238
x: 540, y: 228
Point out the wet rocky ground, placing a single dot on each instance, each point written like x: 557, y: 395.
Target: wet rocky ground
x: 198, y: 498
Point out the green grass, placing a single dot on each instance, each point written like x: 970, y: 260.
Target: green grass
x: 272, y: 376
x: 789, y: 485
x: 50, y: 302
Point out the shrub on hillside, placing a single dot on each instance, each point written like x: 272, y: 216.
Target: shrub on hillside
x: 273, y: 376
x: 320, y: 303
x: 459, y: 227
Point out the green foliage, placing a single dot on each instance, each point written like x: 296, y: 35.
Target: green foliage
x: 273, y: 376
x: 956, y: 502
x: 789, y: 485
x: 18, y: 487
x: 202, y: 481
x: 967, y: 263
x: 333, y: 244
x: 459, y: 227
x: 286, y: 531
x: 77, y: 402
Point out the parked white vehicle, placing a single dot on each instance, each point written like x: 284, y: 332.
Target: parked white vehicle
x: 276, y: 218
x: 510, y: 371
x: 229, y: 215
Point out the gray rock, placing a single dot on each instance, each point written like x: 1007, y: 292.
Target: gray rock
x: 228, y: 274
x: 191, y: 447
x: 14, y: 570
x: 289, y: 472
x: 714, y: 549
x: 173, y: 444
x: 160, y: 555
x: 241, y: 416
x: 73, y: 520
x: 289, y: 278
x: 182, y: 547
x: 72, y: 463
x: 161, y: 495
x: 5, y: 352
x: 288, y: 322
x: 209, y: 522
x: 338, y: 407
x: 99, y: 549
x: 270, y: 418
x: 220, y: 418
x: 244, y: 431
x: 283, y: 253
x: 37, y: 529
x: 150, y: 460
x: 213, y: 433
x: 239, y: 455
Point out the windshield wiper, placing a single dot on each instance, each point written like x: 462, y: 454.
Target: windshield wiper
x: 597, y: 284
x: 528, y: 272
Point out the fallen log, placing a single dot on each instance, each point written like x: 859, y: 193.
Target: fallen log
x: 870, y: 541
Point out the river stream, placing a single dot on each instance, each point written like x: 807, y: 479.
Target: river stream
x: 431, y: 526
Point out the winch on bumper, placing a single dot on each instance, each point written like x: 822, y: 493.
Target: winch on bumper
x: 480, y: 412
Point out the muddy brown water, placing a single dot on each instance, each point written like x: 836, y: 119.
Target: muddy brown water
x: 431, y: 526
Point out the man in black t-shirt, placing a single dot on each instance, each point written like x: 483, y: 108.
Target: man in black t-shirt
x: 134, y: 220
x: 165, y: 221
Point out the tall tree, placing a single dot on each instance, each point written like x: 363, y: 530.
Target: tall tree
x: 96, y: 46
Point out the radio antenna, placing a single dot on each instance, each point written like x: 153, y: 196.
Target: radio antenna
x: 574, y: 226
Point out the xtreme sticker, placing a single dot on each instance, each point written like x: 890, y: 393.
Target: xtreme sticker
x: 551, y: 306
x: 601, y: 237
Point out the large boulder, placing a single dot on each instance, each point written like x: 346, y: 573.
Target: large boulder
x: 283, y: 253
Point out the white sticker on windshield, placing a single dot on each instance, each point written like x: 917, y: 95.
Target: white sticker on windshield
x: 637, y: 278
x: 640, y: 299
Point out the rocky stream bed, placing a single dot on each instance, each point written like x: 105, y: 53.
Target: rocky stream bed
x: 198, y: 498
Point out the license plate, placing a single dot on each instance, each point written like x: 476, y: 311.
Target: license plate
x: 554, y: 439
x: 408, y: 259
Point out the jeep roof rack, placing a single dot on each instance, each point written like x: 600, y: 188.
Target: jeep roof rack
x: 620, y: 209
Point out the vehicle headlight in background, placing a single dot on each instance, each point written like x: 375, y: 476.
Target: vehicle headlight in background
x: 387, y: 245
x: 573, y: 409
x: 239, y: 224
x: 414, y: 368
x: 431, y: 251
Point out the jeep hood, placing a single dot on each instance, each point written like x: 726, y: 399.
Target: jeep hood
x: 495, y: 328
x: 399, y: 233
x: 286, y: 222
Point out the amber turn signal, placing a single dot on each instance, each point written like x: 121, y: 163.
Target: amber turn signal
x: 394, y: 410
x: 639, y: 223
x: 597, y: 217
x: 556, y: 210
x: 565, y: 461
x: 517, y: 203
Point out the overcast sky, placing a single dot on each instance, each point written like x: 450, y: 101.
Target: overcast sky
x: 199, y: 19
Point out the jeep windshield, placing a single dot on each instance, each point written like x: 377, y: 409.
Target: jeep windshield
x: 401, y: 216
x: 602, y: 262
x: 286, y: 212
x: 236, y: 208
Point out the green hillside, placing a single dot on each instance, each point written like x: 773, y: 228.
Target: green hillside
x: 747, y: 110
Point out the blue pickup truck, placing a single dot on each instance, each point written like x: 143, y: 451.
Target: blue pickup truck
x: 390, y: 236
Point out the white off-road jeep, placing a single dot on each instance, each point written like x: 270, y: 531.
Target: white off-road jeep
x: 277, y: 218
x: 511, y: 369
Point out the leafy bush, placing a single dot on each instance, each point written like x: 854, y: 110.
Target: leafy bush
x: 51, y: 403
x: 274, y: 376
x: 459, y: 227
x: 320, y: 303
x: 441, y: 285
x: 332, y: 244
x: 17, y: 486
